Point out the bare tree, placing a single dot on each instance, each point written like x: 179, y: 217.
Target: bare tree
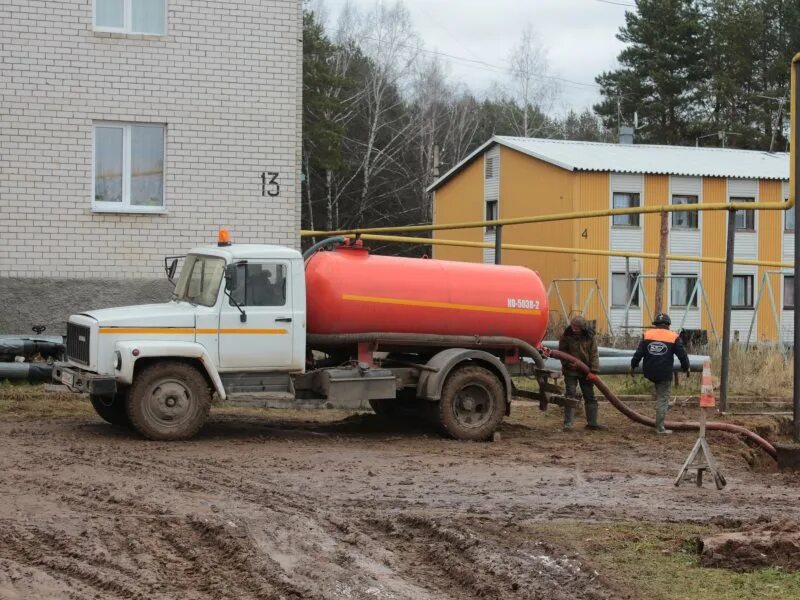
x: 531, y: 86
x: 463, y: 121
x: 387, y: 39
x: 446, y: 124
x: 431, y: 99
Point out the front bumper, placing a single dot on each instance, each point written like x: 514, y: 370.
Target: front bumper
x: 87, y: 382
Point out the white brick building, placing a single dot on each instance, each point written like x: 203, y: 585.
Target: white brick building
x: 134, y: 129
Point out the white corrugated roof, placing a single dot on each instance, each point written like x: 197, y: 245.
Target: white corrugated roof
x: 642, y: 158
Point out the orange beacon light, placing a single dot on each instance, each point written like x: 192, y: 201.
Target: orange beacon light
x: 224, y: 237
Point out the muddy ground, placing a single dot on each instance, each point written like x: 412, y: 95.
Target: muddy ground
x: 310, y: 505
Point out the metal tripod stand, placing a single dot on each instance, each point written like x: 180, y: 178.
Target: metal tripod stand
x: 701, y: 459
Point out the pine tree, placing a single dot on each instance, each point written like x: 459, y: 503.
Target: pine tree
x: 322, y: 136
x: 662, y: 69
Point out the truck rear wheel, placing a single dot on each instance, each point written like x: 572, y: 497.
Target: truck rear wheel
x: 112, y: 409
x: 473, y: 404
x: 169, y: 401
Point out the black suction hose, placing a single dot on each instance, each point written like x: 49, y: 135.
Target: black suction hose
x: 321, y: 244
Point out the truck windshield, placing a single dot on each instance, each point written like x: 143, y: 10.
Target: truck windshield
x: 200, y: 279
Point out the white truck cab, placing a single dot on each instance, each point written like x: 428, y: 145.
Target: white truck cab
x: 235, y: 308
x: 259, y: 325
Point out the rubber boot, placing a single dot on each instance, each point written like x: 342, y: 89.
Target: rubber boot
x: 661, y: 416
x: 591, y: 417
x: 569, y: 417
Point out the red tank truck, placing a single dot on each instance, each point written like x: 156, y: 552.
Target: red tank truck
x: 266, y: 326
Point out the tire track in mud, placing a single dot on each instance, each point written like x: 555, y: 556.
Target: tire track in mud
x: 217, y: 558
x: 225, y: 562
x: 470, y: 560
x: 205, y: 478
x: 207, y: 554
x: 26, y: 547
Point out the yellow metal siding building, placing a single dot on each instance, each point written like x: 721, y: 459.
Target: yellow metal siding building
x: 521, y: 177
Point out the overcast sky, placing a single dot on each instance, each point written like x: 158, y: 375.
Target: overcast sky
x: 579, y: 36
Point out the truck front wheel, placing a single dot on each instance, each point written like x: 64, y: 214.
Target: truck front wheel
x: 112, y: 409
x: 169, y: 401
x: 473, y: 404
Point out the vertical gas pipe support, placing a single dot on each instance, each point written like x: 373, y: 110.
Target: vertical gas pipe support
x: 498, y: 245
x: 726, y: 314
x: 795, y: 169
x: 661, y: 271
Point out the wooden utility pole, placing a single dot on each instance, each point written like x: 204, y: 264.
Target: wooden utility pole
x: 662, y: 263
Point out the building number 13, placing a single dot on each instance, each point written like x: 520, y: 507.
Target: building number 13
x: 269, y: 184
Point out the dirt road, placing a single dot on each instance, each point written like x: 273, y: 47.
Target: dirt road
x: 278, y: 506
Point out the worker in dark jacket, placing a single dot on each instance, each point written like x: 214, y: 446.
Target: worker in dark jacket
x: 578, y: 340
x: 658, y: 348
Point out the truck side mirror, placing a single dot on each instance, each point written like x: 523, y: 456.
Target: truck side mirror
x: 173, y: 266
x: 230, y: 277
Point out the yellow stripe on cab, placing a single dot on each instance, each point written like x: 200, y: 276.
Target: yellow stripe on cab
x: 188, y: 331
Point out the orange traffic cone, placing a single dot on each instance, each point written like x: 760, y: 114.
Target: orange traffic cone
x: 700, y: 458
x: 707, y: 399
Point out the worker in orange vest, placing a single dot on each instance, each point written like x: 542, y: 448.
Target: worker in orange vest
x: 658, y: 348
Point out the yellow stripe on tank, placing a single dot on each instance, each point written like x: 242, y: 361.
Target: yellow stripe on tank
x: 450, y: 305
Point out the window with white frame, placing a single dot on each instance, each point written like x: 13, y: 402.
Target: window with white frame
x: 742, y: 293
x: 131, y: 16
x: 788, y: 292
x: 745, y: 219
x: 624, y: 288
x: 128, y: 167
x: 625, y: 200
x: 681, y: 288
x: 491, y: 213
x: 684, y: 220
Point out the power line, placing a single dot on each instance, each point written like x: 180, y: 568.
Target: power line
x: 447, y: 31
x: 506, y: 69
x: 616, y: 3
x: 489, y: 66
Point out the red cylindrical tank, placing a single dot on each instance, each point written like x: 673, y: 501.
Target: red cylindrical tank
x: 350, y: 290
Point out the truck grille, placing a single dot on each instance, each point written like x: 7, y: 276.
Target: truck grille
x: 78, y: 343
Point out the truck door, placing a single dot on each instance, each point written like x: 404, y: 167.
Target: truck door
x: 264, y: 341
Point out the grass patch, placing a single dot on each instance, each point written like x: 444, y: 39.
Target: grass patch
x: 758, y: 372
x: 660, y: 561
x: 33, y: 402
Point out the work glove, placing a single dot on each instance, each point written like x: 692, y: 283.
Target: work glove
x: 592, y: 378
x: 631, y: 372
x: 688, y: 371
